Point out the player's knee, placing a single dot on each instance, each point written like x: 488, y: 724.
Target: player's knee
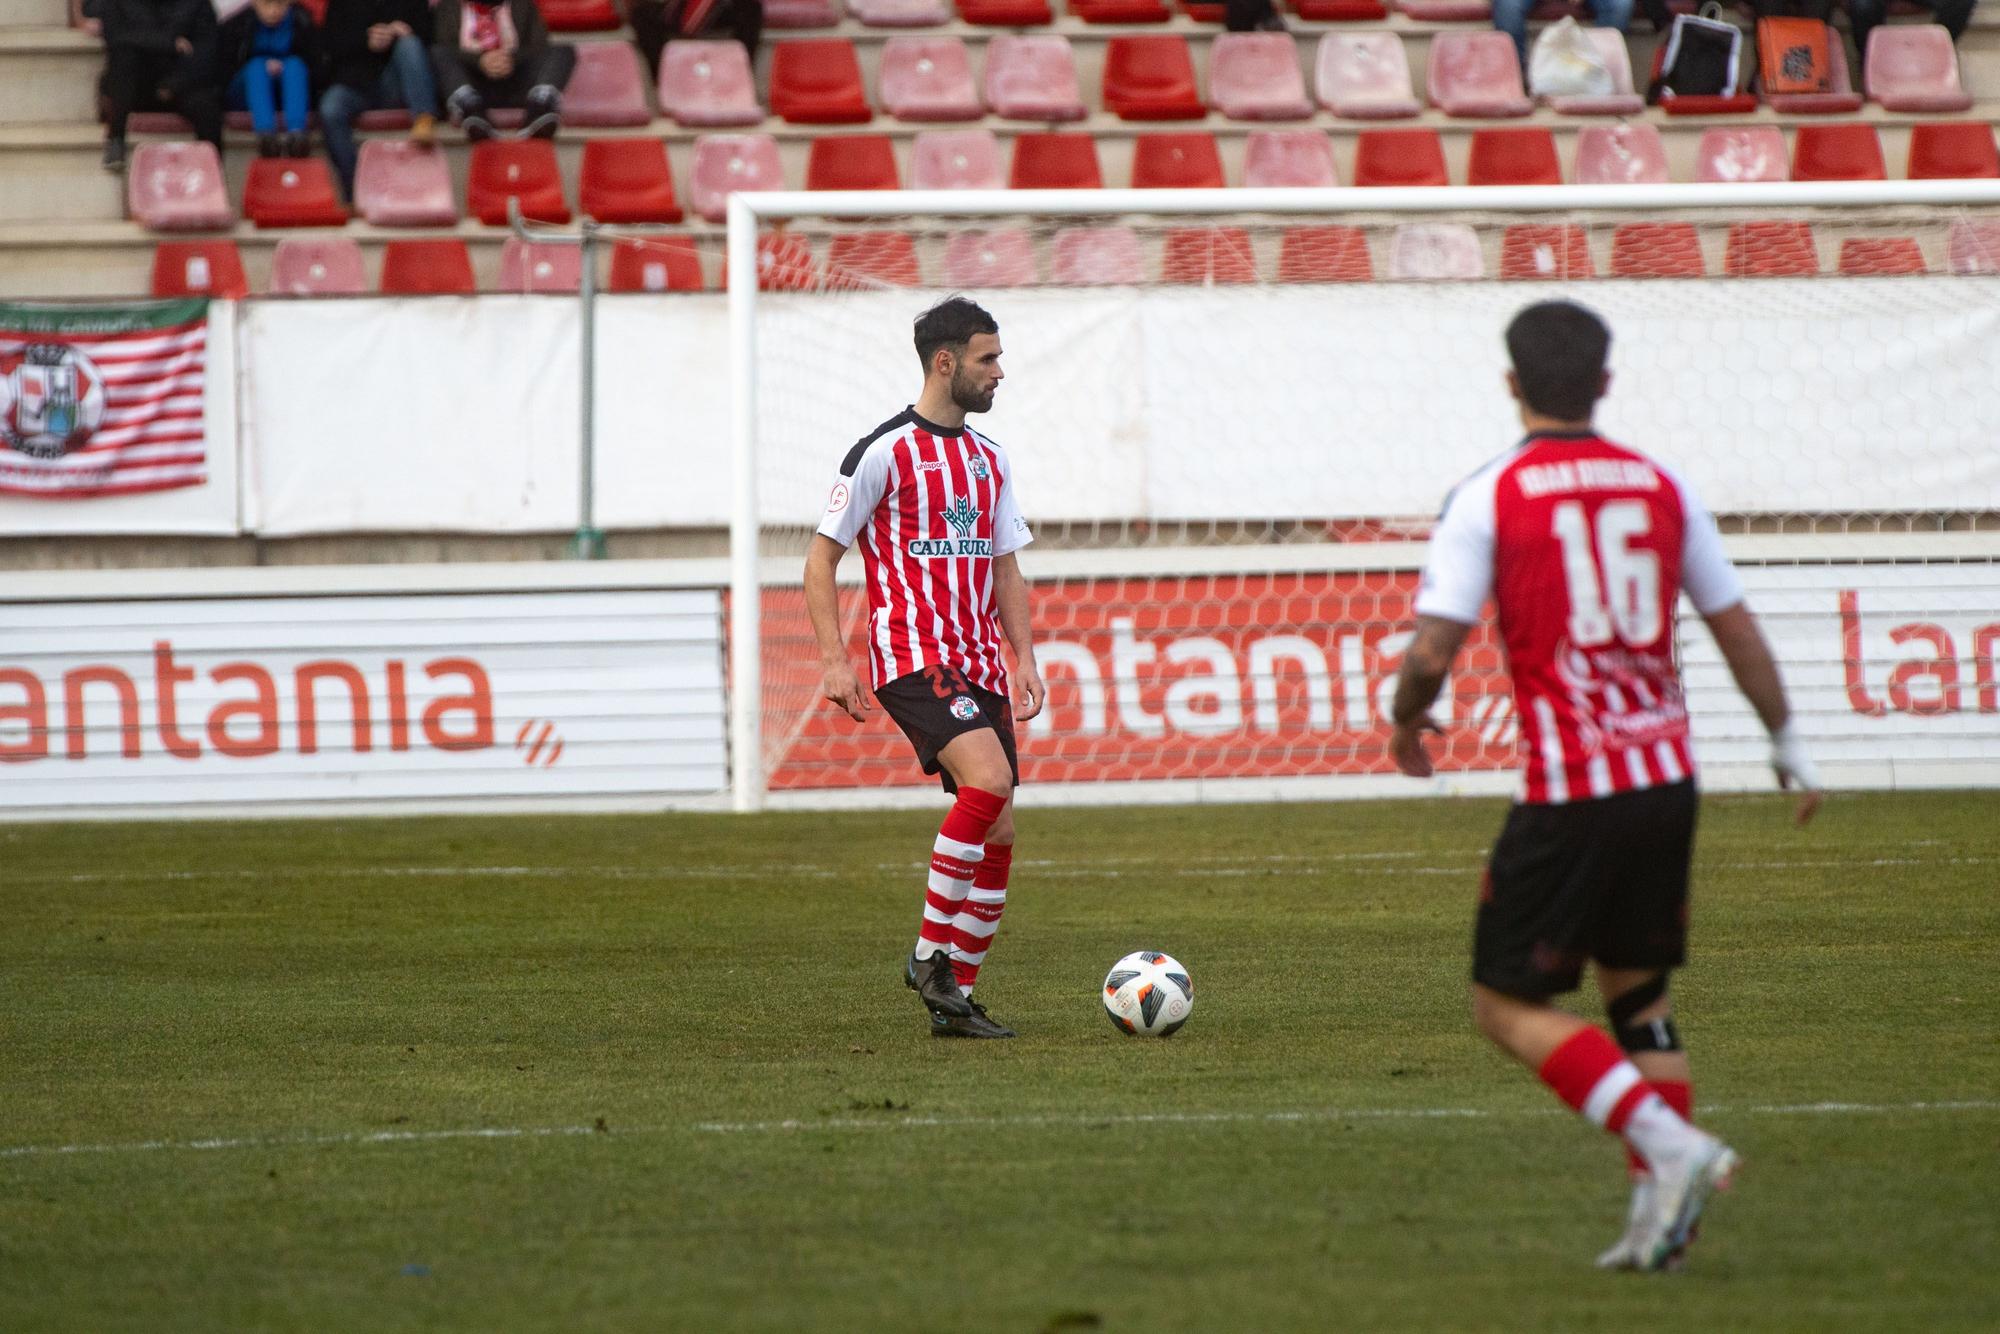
x: 1642, y: 1017
x: 1003, y: 828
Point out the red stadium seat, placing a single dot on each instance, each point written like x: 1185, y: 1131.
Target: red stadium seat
x: 1004, y: 257
x: 427, y: 268
x: 900, y: 13
x: 521, y: 169
x: 1207, y: 256
x: 627, y: 180
x: 1341, y: 11
x: 1364, y: 76
x: 199, y: 268
x: 817, y: 81
x: 1656, y: 250
x: 1476, y: 74
x: 655, y: 264
x: 1770, y: 250
x: 1032, y: 78
x: 706, y: 83
x: 1545, y: 251
x: 317, y: 266
x: 401, y: 184
x: 1952, y: 150
x: 956, y: 160
x: 862, y: 260
x: 1203, y: 12
x: 580, y: 16
x: 291, y: 192
x: 1055, y: 162
x: 1849, y: 152
x: 1176, y: 162
x: 1525, y: 156
x: 1881, y: 256
x: 1255, y: 76
x: 852, y: 162
x: 1119, y: 11
x: 1096, y: 257
x: 177, y: 188
x: 784, y: 264
x: 1742, y: 153
x: 1324, y: 255
x: 607, y: 87
x: 529, y: 266
x: 1399, y: 157
x: 1288, y: 158
x: 928, y: 78
x: 1435, y: 251
x: 1629, y: 154
x: 725, y: 164
x: 1006, y: 13
x: 1914, y: 68
x: 1151, y: 78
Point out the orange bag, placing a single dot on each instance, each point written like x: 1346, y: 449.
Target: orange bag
x: 1792, y: 55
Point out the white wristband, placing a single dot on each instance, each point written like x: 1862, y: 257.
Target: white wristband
x: 1789, y: 758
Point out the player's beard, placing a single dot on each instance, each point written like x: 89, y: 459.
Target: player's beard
x: 969, y: 397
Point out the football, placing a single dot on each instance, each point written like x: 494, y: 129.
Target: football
x: 1148, y: 994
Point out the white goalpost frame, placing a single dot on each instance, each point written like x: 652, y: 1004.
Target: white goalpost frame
x: 747, y: 211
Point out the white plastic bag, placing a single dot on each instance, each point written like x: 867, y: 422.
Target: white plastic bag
x: 1565, y: 63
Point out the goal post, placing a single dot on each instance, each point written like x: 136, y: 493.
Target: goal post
x: 1251, y: 497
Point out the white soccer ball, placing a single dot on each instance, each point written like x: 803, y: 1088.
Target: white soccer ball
x: 1148, y: 994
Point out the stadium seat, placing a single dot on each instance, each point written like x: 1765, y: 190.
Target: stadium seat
x: 1032, y: 78
x: 1914, y: 68
x: 1656, y: 250
x: 580, y: 16
x: 1006, y: 13
x: 427, y: 268
x: 900, y: 13
x: 1546, y: 252
x: 1338, y: 11
x: 1364, y: 76
x: 1629, y: 154
x: 1426, y: 251
x: 291, y: 192
x: 1881, y: 256
x: 516, y: 169
x: 1952, y: 150
x: 1850, y: 152
x: 1622, y: 100
x: 928, y: 78
x: 1838, y: 98
x: 1973, y: 245
x: 726, y: 163
x: 401, y: 184
x: 1524, y: 156
x: 862, y: 260
x: 1118, y: 11
x: 784, y: 264
x: 199, y: 268
x: 529, y: 266
x: 1288, y: 158
x: 1399, y: 157
x: 1096, y: 257
x: 1770, y: 250
x: 1742, y: 153
x: 852, y: 162
x: 1476, y: 74
x: 383, y: 118
x: 177, y: 188
x: 1207, y: 256
x: 607, y: 87
x: 1255, y: 76
x: 817, y: 81
x: 1203, y: 11
x: 1151, y: 77
x: 956, y: 160
x: 800, y: 14
x: 1176, y: 162
x: 1324, y: 255
x: 627, y: 180
x: 1446, y: 11
x: 655, y: 264
x: 1055, y: 162
x: 317, y: 266
x: 708, y: 83
x: 1004, y: 257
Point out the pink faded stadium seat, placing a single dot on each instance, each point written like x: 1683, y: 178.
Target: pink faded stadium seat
x: 1628, y: 154
x: 1973, y: 245
x: 177, y: 188
x: 400, y: 184
x: 1096, y: 257
x: 817, y: 81
x: 1524, y: 156
x: 1545, y: 252
x: 1770, y: 250
x: 726, y: 163
x: 1476, y: 74
x: 1742, y: 153
x: 1952, y: 150
x: 1032, y: 78
x: 1914, y: 68
x: 607, y: 87
x: 570, y: 16
x: 1255, y: 76
x: 1176, y: 162
x: 1621, y: 100
x: 1436, y: 250
x: 1840, y: 96
x: 1151, y: 77
x: 291, y: 192
x: 900, y: 13
x: 199, y: 268
x: 1447, y: 11
x: 1364, y: 76
x: 852, y: 162
x: 1849, y: 152
x: 1881, y: 256
x: 1207, y: 256
x: 928, y: 78
x: 1288, y: 158
x: 708, y: 83
x: 317, y: 266
x: 522, y: 170
x: 1004, y: 257
x: 526, y: 266
x: 801, y: 13
x: 1324, y: 255
x: 1399, y: 157
x: 1055, y: 162
x: 627, y: 180
x: 957, y: 160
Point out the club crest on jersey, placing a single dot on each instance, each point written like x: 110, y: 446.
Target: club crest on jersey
x: 964, y: 709
x: 978, y: 466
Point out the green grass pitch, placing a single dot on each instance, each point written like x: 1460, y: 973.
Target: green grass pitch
x: 645, y: 1073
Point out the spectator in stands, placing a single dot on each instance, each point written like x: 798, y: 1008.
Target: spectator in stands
x: 270, y: 53
x: 1864, y: 16
x: 499, y: 54
x: 657, y: 22
x: 159, y: 55
x: 378, y: 55
x: 1511, y: 17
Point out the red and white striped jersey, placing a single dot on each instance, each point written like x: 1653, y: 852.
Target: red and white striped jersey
x: 1585, y: 547
x: 932, y: 508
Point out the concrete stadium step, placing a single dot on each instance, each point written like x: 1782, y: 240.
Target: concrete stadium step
x: 33, y: 13
x: 48, y: 74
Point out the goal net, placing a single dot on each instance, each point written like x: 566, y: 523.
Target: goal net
x: 1233, y: 416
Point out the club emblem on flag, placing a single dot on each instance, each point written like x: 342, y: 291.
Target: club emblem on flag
x: 51, y: 401
x: 964, y: 709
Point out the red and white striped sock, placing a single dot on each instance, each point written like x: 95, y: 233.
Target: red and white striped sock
x: 1677, y: 1094
x: 960, y: 847
x: 1590, y: 1074
x: 979, y: 917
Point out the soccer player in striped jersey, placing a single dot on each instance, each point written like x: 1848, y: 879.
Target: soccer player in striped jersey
x: 931, y: 502
x: 1585, y: 547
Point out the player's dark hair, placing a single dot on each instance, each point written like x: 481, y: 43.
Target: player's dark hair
x: 951, y: 323
x: 1559, y: 349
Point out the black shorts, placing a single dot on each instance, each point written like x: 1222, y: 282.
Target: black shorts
x: 1604, y: 879
x: 937, y: 705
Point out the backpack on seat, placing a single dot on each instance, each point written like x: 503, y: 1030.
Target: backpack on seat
x: 1792, y: 56
x: 1702, y: 57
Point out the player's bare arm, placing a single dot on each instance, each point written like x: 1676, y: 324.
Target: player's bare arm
x: 1426, y: 662
x: 1010, y: 592
x: 1743, y: 647
x: 838, y: 683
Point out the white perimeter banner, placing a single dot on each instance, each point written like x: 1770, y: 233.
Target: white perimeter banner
x: 231, y: 704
